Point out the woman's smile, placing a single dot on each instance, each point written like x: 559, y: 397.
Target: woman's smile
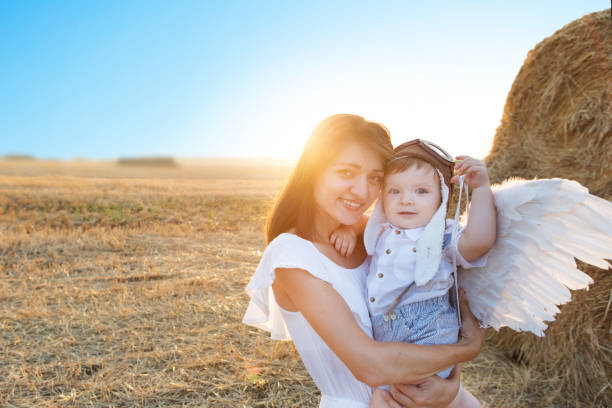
x: 351, y: 205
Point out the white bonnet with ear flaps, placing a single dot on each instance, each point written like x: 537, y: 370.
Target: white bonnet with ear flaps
x: 429, y: 244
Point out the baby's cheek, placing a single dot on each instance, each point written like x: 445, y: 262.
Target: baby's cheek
x: 389, y: 204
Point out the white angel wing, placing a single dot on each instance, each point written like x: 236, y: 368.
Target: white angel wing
x: 542, y: 225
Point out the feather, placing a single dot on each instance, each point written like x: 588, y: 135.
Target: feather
x: 542, y: 225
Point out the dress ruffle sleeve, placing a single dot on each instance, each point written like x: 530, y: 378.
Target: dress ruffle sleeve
x: 285, y: 251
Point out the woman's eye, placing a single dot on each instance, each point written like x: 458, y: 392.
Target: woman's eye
x: 393, y: 191
x: 346, y: 173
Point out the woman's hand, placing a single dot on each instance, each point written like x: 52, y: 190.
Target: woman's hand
x: 433, y: 392
x: 382, y: 399
x: 471, y: 334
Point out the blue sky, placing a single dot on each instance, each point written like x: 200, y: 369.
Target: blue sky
x: 104, y: 79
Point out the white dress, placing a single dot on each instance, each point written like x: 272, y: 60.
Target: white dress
x: 339, y: 388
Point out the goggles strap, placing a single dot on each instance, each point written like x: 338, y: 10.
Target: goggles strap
x: 454, y: 241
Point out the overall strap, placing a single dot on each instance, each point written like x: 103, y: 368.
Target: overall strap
x: 389, y: 314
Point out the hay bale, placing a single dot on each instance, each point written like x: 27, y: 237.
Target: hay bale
x: 557, y: 122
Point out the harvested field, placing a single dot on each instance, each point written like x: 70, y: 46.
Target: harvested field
x: 128, y: 292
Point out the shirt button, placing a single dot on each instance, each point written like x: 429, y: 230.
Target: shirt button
x: 414, y: 249
x: 380, y: 275
x: 388, y: 251
x: 372, y: 299
x: 397, y: 232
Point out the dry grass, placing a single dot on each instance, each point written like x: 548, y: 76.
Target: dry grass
x: 128, y: 292
x: 557, y: 122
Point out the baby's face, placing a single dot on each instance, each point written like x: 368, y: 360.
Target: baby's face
x: 412, y: 197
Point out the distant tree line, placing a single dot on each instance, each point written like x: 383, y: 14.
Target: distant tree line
x: 147, y: 161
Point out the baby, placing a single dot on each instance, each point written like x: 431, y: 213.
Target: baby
x: 416, y: 250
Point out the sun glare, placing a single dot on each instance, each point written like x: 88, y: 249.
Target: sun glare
x: 459, y: 122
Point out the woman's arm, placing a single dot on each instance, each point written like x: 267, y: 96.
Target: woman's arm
x: 374, y: 363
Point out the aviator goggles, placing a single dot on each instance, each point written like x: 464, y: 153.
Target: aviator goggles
x: 429, y: 152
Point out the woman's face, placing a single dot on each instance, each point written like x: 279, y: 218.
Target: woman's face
x: 348, y: 186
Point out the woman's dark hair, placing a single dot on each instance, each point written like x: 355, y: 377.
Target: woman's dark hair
x: 294, y: 207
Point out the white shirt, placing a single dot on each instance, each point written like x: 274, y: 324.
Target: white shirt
x: 395, y: 251
x: 339, y: 387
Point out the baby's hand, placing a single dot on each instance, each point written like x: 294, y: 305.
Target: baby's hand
x: 344, y: 240
x: 475, y: 172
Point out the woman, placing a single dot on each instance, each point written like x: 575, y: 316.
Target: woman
x: 304, y: 291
